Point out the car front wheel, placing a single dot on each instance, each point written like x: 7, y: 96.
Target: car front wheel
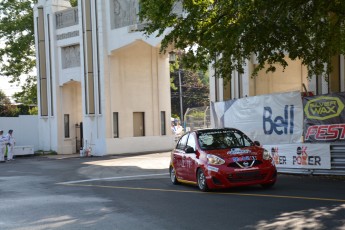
x: 202, y: 181
x: 173, y: 176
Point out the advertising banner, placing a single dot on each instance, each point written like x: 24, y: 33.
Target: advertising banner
x: 305, y: 156
x: 273, y: 118
x: 324, y: 118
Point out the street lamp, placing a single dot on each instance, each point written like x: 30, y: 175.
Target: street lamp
x: 172, y: 59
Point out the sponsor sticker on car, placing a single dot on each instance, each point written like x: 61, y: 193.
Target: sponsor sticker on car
x: 238, y: 151
x: 244, y: 158
x: 211, y: 168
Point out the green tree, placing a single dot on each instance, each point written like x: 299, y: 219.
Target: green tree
x: 17, y: 50
x: 194, y: 84
x: 3, y: 98
x: 17, y: 35
x: 228, y: 32
x: 28, y: 94
x: 6, y: 107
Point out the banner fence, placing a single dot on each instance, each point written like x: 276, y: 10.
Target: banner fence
x: 300, y: 132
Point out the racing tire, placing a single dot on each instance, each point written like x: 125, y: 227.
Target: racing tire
x: 173, y: 175
x: 201, y: 178
x: 269, y: 185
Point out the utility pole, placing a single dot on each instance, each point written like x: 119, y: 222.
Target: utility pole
x: 172, y: 59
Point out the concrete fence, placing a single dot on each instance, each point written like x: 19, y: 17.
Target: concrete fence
x: 25, y: 132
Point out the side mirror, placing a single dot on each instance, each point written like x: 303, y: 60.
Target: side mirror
x: 257, y: 143
x: 190, y: 150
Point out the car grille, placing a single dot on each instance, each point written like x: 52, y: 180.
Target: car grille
x: 235, y: 164
x: 246, y: 176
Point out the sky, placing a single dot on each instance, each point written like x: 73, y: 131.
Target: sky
x: 7, y: 88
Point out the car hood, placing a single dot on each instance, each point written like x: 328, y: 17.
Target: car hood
x: 231, y: 153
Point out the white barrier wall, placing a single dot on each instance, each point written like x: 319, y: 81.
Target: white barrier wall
x: 24, y: 127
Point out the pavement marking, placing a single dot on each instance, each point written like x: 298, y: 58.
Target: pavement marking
x: 206, y: 193
x: 112, y: 178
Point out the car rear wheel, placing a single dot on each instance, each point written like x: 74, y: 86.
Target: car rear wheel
x: 173, y: 176
x: 202, y: 181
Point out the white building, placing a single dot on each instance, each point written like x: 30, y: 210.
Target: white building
x: 101, y: 83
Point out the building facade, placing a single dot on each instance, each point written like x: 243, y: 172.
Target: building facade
x: 293, y: 78
x: 102, y: 85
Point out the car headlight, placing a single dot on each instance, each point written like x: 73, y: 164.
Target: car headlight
x: 214, y: 160
x: 266, y: 155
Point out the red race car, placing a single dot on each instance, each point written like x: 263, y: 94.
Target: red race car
x: 221, y: 158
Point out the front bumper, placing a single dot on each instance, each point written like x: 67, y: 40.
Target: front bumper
x: 229, y: 177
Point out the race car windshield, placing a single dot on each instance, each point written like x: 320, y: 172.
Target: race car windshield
x: 223, y: 139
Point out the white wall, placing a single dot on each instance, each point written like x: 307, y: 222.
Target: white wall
x: 24, y: 127
x: 140, y: 144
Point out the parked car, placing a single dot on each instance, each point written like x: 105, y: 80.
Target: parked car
x: 221, y: 158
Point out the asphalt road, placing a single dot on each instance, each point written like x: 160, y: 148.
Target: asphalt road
x: 135, y: 192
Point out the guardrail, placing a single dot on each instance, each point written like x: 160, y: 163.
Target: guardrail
x: 337, y: 164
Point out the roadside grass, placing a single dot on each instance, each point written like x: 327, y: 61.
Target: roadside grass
x: 44, y: 153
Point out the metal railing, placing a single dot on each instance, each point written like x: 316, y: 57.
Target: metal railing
x: 197, y: 118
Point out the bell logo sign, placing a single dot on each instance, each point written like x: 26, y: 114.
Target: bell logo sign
x: 279, y: 124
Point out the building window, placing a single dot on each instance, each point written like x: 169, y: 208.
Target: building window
x: 116, y: 125
x: 138, y: 124
x: 163, y: 123
x: 66, y: 125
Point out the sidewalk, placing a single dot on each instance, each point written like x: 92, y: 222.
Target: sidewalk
x: 67, y: 156
x: 60, y: 156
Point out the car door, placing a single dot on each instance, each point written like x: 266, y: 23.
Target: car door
x: 179, y: 157
x: 190, y: 159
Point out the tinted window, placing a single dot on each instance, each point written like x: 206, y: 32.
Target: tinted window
x: 223, y: 139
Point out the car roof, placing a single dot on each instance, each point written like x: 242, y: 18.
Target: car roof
x: 215, y: 130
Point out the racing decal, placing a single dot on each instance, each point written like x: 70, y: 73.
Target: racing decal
x: 244, y: 158
x: 211, y: 168
x: 185, y: 162
x: 308, y: 156
x: 238, y: 151
x: 244, y: 161
x: 324, y: 118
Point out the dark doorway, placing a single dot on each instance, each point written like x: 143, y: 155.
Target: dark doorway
x: 79, y: 136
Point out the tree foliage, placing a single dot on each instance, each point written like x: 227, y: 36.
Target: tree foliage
x: 228, y: 32
x: 3, y: 98
x: 28, y: 94
x: 6, y: 107
x: 17, y: 50
x: 194, y: 85
x: 17, y: 34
